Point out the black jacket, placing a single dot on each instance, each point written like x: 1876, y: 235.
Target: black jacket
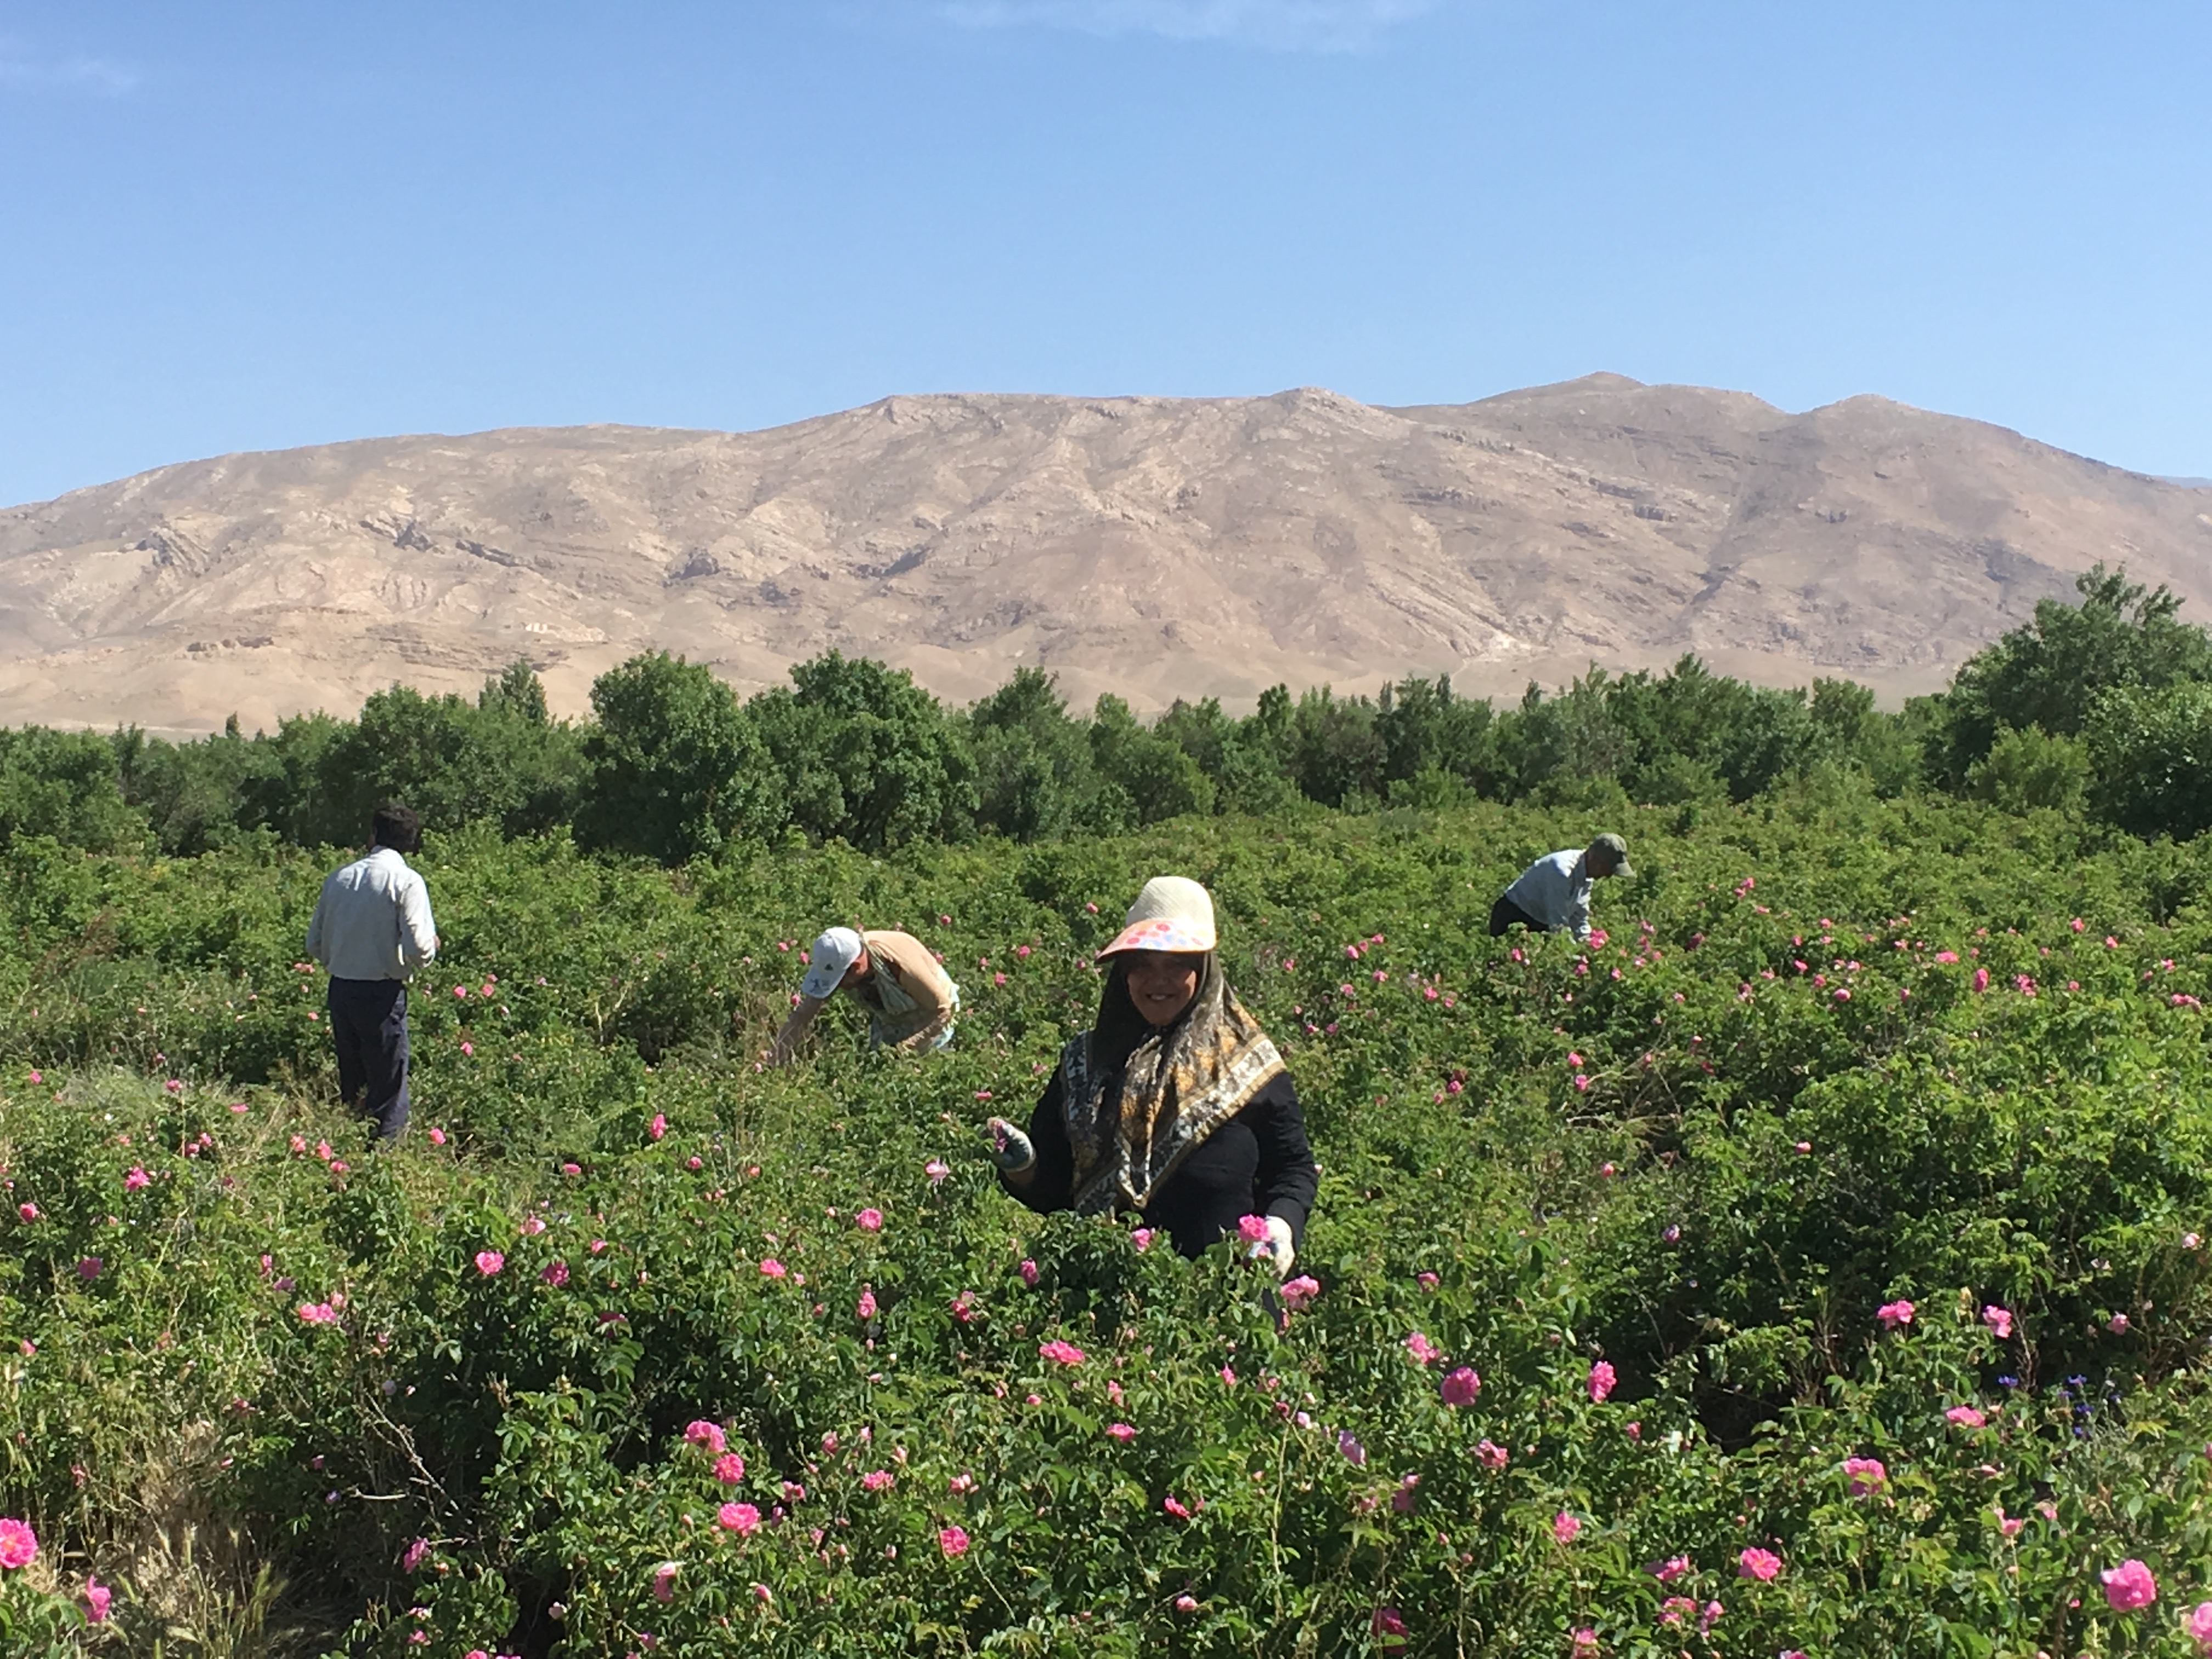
x: 1256, y: 1163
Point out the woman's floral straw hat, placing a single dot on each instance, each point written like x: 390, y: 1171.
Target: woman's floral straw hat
x: 1173, y: 912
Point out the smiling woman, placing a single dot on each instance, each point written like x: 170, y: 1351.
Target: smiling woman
x: 1174, y: 1105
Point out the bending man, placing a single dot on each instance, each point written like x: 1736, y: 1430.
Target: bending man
x: 1553, y: 894
x: 909, y: 997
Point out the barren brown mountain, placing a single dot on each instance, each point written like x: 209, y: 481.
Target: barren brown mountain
x: 1154, y: 547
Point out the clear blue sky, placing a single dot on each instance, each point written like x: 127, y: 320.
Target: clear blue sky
x: 228, y: 225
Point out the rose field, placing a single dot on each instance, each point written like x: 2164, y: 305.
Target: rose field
x: 1813, y: 1264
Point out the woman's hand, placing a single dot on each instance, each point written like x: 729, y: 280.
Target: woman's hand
x: 1276, y: 1248
x: 1010, y: 1149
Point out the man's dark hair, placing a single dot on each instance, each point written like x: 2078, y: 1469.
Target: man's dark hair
x: 396, y: 827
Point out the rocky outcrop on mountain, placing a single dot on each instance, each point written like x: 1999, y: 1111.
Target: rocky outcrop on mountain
x: 1154, y: 547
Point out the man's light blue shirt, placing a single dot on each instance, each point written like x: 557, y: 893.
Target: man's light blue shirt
x: 373, y: 920
x: 1555, y: 890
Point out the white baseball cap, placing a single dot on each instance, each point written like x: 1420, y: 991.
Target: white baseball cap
x: 836, y: 950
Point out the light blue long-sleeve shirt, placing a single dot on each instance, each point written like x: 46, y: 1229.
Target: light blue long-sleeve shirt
x: 1556, y: 891
x: 373, y: 920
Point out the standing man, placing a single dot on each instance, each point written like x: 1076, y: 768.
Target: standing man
x: 909, y: 997
x: 1554, y: 892
x: 372, y: 930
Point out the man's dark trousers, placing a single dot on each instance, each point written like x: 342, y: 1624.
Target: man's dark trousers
x: 1505, y: 912
x: 368, y: 1027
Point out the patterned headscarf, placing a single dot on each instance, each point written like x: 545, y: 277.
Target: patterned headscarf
x: 1138, y: 1099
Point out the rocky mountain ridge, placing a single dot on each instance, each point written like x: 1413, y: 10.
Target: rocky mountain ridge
x: 1153, y: 547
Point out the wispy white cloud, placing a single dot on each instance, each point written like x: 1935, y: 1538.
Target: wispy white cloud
x: 100, y: 77
x: 1282, y: 25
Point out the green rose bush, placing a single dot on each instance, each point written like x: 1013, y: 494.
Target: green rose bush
x: 1811, y: 1263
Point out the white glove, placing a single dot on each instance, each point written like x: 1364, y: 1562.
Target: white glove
x: 1008, y: 1147
x: 1276, y: 1247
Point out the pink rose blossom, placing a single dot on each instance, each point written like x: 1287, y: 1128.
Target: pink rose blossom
x: 1460, y: 1388
x: 1490, y: 1454
x: 1065, y: 1353
x: 1999, y: 1320
x: 317, y: 1313
x: 1422, y: 1350
x: 1566, y: 1528
x: 865, y: 1307
x: 1672, y: 1568
x: 19, y: 1545
x: 742, y: 1519
x: 87, y: 1268
x: 555, y: 1274
x: 1142, y: 1238
x: 137, y: 1180
x: 411, y: 1557
x: 1602, y: 1380
x: 27, y: 1210
x: 1252, y: 1229
x: 876, y: 1479
x: 1348, y: 1443
x: 2129, y: 1586
x: 1966, y: 1417
x: 664, y: 1582
x: 437, y: 1136
x: 1755, y: 1563
x: 870, y: 1220
x: 1865, y: 1475
x: 2117, y: 1324
x: 1893, y: 1314
x: 937, y: 1168
x: 1122, y: 1431
x: 489, y: 1262
x: 1427, y: 1281
x: 953, y: 1540
x: 1300, y: 1291
x: 95, y: 1598
x: 1583, y: 1642
x: 1028, y: 1271
x: 1190, y: 1604
x: 2199, y: 1625
x: 771, y: 1268
x: 658, y: 1127
x: 706, y: 1436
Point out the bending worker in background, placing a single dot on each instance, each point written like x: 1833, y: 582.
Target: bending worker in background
x: 909, y: 997
x: 372, y: 930
x: 1174, y: 1106
x: 1553, y: 894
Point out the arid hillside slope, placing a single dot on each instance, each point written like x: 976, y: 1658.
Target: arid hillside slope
x: 1154, y: 547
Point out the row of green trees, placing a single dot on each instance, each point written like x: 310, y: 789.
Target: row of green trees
x: 2103, y: 707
